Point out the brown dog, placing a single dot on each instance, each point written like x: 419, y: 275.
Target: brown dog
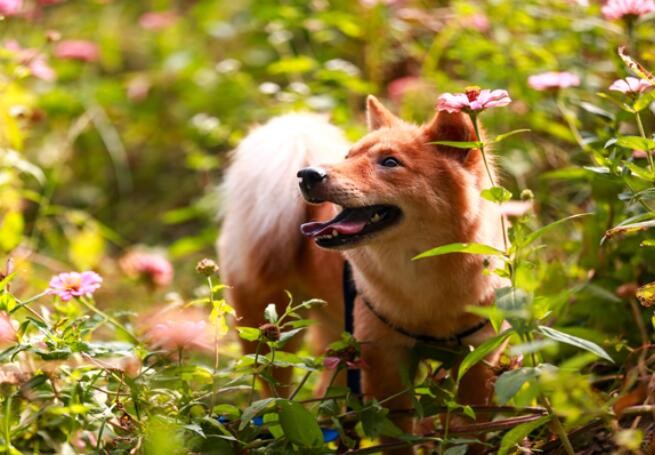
x: 399, y: 195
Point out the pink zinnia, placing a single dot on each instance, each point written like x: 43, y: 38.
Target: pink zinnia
x: 86, y: 51
x: 553, y: 80
x: 477, y: 21
x: 10, y: 7
x: 40, y: 68
x: 473, y: 100
x: 178, y: 329
x: 630, y: 85
x: 154, y: 268
x: 7, y: 330
x: 333, y: 362
x: 157, y: 20
x: 73, y: 284
x: 398, y: 88
x: 616, y: 9
x: 35, y: 62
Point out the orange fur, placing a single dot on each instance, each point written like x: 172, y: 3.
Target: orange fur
x: 438, y: 190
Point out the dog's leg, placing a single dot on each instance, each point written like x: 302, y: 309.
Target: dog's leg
x: 387, y: 361
x: 249, y: 303
x: 477, y: 388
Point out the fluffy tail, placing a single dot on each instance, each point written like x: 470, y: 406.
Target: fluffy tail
x: 262, y: 206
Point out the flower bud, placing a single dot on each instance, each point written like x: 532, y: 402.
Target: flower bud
x: 207, y: 267
x: 270, y: 332
x: 527, y: 195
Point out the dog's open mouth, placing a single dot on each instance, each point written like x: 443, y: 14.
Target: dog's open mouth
x: 352, y: 225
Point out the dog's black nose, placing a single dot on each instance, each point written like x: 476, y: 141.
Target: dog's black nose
x: 310, y: 177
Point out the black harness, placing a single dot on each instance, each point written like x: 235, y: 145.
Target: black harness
x: 349, y: 295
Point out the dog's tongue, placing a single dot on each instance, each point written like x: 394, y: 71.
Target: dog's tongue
x: 346, y: 227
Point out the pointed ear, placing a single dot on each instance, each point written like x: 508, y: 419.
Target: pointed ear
x: 445, y: 126
x: 377, y: 115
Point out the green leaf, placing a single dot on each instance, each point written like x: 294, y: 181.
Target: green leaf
x: 292, y: 65
x: 646, y: 295
x: 249, y: 333
x: 481, y: 352
x: 636, y: 143
x: 460, y: 144
x: 496, y: 194
x: 253, y: 410
x: 516, y: 434
x: 549, y: 227
x: 640, y: 172
x: 299, y: 425
x: 562, y: 337
x: 270, y: 313
x: 11, y: 231
x: 226, y: 410
x: 502, y: 137
x: 510, y: 382
x: 470, y: 248
x: 644, y: 101
x: 596, y: 110
x: 457, y: 450
x: 631, y: 228
x: 86, y: 248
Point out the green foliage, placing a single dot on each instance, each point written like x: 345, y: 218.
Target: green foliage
x: 122, y: 153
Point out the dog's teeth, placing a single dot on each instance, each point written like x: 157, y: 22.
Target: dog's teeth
x: 375, y: 218
x: 335, y: 233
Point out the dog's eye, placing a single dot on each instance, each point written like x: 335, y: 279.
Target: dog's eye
x: 389, y: 162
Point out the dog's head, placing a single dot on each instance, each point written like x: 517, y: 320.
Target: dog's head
x: 395, y: 180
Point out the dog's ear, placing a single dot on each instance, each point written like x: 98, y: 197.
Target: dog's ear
x: 454, y: 127
x: 377, y: 115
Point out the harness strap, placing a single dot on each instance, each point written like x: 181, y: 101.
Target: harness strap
x: 349, y: 295
x: 455, y: 339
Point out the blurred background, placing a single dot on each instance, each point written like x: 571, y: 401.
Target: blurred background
x: 116, y: 119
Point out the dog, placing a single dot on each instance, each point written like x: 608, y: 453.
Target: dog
x: 377, y: 203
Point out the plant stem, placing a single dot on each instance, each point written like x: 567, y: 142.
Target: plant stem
x: 570, y: 122
x: 7, y: 423
x: 642, y: 132
x: 474, y: 120
x: 90, y: 306
x: 216, y: 354
x: 559, y: 428
x: 254, y: 375
x: 300, y: 385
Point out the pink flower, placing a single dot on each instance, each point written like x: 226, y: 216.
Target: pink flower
x: 85, y: 51
x: 630, y: 85
x: 333, y: 362
x: 641, y: 153
x: 399, y: 87
x: 138, y: 88
x: 157, y: 20
x: 73, y: 284
x: 372, y: 3
x: 477, y: 21
x: 515, y: 208
x: 172, y: 330
x: 35, y: 62
x: 151, y: 267
x: 40, y: 68
x: 10, y: 7
x: 616, y: 9
x: 473, y: 100
x: 553, y: 80
x: 7, y: 330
